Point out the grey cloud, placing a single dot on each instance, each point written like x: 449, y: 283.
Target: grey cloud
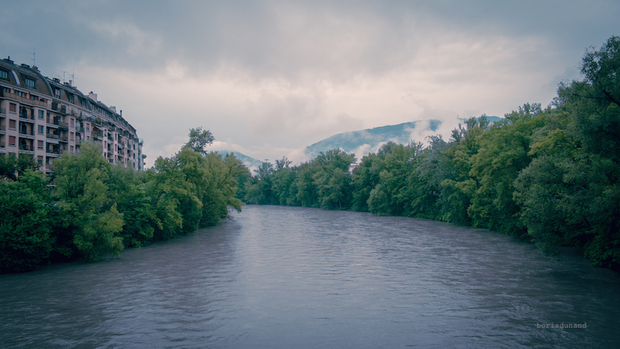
x: 327, y: 40
x: 334, y: 66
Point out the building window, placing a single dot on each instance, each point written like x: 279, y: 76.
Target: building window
x: 41, y: 114
x: 40, y: 145
x: 12, y: 125
x: 72, y: 124
x: 12, y: 107
x: 4, y: 75
x: 88, y: 138
x: 30, y: 83
x: 40, y: 160
x: 41, y: 129
x: 72, y: 136
x: 71, y: 148
x: 11, y: 141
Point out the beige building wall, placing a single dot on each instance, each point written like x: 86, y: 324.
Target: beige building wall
x: 45, y: 118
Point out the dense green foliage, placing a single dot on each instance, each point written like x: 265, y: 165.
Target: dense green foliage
x: 550, y: 176
x: 91, y: 208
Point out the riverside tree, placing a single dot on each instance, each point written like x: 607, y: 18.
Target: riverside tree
x: 91, y: 208
x: 551, y: 176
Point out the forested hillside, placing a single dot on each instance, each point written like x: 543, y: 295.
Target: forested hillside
x: 546, y: 175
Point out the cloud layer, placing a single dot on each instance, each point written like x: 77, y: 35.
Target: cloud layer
x: 268, y: 78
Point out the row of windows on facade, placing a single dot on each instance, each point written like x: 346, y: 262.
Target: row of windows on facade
x: 29, y: 82
x: 41, y: 145
x: 23, y: 112
x: 57, y: 93
x: 41, y: 131
x: 41, y: 115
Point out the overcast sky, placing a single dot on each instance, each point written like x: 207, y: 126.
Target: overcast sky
x: 271, y: 77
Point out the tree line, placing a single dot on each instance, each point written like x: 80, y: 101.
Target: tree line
x: 88, y: 207
x: 551, y: 176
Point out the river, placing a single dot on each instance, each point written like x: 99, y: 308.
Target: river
x: 287, y: 277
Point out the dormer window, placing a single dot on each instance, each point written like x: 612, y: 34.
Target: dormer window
x: 57, y: 93
x: 4, y: 75
x: 30, y: 83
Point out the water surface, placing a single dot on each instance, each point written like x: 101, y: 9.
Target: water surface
x: 284, y: 277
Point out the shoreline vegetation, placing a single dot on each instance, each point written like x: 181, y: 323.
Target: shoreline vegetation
x: 550, y: 176
x: 89, y: 208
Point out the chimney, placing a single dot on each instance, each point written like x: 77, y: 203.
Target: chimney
x: 92, y: 96
x: 113, y: 109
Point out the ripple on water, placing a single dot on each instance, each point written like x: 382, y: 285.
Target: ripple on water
x: 297, y: 277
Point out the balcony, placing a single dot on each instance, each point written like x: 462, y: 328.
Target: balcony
x: 54, y: 153
x: 63, y: 139
x: 23, y: 100
x: 52, y: 136
x: 25, y: 118
x: 2, y: 129
x: 63, y: 125
x: 53, y: 124
x: 26, y: 149
x: 98, y: 136
x: 27, y: 135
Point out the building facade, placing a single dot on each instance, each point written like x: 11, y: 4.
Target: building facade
x: 45, y: 118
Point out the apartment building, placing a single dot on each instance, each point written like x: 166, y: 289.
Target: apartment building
x: 44, y: 118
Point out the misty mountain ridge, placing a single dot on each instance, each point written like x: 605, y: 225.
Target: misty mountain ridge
x: 362, y: 142
x: 370, y: 140
x: 248, y: 161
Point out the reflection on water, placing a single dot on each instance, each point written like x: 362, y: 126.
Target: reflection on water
x: 293, y: 277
